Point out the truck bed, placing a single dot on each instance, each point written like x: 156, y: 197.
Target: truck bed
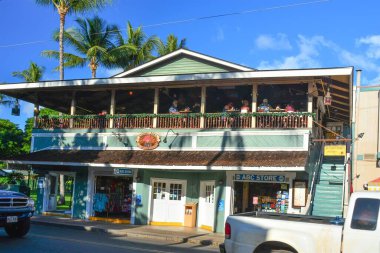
x: 290, y: 217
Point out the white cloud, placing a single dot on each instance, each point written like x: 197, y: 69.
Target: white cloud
x: 307, y: 57
x: 277, y: 42
x: 220, y: 34
x: 373, y: 43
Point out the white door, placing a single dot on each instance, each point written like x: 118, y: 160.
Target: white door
x: 207, y: 205
x: 168, y: 201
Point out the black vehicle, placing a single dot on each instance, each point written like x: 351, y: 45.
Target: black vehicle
x: 15, y: 212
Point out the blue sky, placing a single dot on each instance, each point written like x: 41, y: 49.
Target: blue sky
x: 269, y: 35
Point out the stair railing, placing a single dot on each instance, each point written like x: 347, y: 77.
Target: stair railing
x: 316, y: 175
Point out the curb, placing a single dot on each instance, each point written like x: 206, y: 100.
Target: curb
x: 114, y: 232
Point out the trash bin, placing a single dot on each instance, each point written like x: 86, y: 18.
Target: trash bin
x: 190, y: 215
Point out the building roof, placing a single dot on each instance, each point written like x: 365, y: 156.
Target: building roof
x: 167, y: 159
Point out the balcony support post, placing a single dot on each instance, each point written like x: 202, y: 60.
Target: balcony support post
x: 310, y: 104
x: 36, y: 112
x: 72, y: 108
x: 203, y: 106
x: 112, y: 107
x: 254, y: 103
x: 155, y: 105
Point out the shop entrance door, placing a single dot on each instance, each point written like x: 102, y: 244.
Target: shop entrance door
x: 168, y: 202
x: 52, y: 188
x: 207, y: 205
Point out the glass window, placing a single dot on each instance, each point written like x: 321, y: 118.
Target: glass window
x: 159, y: 189
x: 365, y: 214
x: 175, y: 192
x: 210, y: 194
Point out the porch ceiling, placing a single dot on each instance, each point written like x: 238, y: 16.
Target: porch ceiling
x: 165, y: 158
x: 57, y: 94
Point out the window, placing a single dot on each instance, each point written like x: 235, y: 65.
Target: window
x: 365, y: 214
x: 175, y: 192
x: 159, y: 189
x: 210, y: 194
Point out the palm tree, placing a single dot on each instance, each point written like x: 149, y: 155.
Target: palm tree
x: 171, y: 45
x: 65, y: 7
x: 32, y: 74
x: 136, y: 49
x: 92, y: 40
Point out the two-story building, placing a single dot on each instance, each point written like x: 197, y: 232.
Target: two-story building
x: 185, y: 128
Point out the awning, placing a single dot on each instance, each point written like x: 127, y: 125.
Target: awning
x: 374, y: 185
x: 201, y: 160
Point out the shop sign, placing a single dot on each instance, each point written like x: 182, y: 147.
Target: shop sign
x: 148, y: 141
x: 260, y: 178
x: 122, y: 171
x: 335, y: 150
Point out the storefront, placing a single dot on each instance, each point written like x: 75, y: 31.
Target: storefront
x: 110, y: 193
x: 262, y: 191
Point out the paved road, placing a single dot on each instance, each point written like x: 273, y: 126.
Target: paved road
x: 46, y: 239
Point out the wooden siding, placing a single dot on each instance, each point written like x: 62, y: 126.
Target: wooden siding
x: 182, y: 65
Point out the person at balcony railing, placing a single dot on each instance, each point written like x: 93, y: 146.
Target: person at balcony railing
x: 289, y: 108
x: 264, y: 106
x: 228, y: 108
x: 173, y: 109
x: 196, y: 108
x: 102, y: 119
x: 245, y: 107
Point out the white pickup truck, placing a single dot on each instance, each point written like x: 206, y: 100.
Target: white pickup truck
x: 276, y: 233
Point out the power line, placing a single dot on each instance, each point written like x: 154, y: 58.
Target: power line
x: 193, y: 19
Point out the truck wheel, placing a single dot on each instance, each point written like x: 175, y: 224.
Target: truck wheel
x: 18, y: 229
x: 274, y: 249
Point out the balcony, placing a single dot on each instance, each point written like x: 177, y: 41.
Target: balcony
x: 270, y: 120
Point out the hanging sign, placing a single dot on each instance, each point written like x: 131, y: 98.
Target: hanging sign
x: 148, y: 141
x: 122, y: 171
x: 260, y: 178
x: 335, y: 150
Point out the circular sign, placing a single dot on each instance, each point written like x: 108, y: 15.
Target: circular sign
x: 148, y: 141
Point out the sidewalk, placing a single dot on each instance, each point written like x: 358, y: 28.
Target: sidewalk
x: 173, y: 234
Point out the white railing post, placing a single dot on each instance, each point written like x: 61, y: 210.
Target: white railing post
x: 310, y: 105
x: 254, y: 104
x: 155, y: 105
x: 112, y: 108
x: 203, y: 106
x: 72, y: 109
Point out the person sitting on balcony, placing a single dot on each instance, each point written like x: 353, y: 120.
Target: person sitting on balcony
x: 196, y: 108
x: 229, y: 107
x: 174, y: 107
x: 289, y: 108
x: 102, y: 119
x: 245, y: 107
x: 264, y: 106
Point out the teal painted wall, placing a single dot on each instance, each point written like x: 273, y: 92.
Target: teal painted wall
x: 182, y: 65
x: 94, y: 140
x: 192, y: 192
x: 80, y: 193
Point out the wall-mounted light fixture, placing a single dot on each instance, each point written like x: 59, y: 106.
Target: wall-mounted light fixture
x: 16, y: 109
x: 221, y: 182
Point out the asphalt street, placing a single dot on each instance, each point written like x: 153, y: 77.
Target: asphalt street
x: 47, y: 239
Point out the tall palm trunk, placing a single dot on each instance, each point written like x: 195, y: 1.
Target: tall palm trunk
x: 93, y: 67
x: 62, y: 16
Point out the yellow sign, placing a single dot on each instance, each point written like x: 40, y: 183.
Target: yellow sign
x: 335, y: 150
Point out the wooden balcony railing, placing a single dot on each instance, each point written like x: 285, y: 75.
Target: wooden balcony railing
x: 270, y: 120
x: 185, y: 120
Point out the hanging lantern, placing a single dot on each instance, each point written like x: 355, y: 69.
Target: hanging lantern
x: 327, y: 99
x: 16, y: 109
